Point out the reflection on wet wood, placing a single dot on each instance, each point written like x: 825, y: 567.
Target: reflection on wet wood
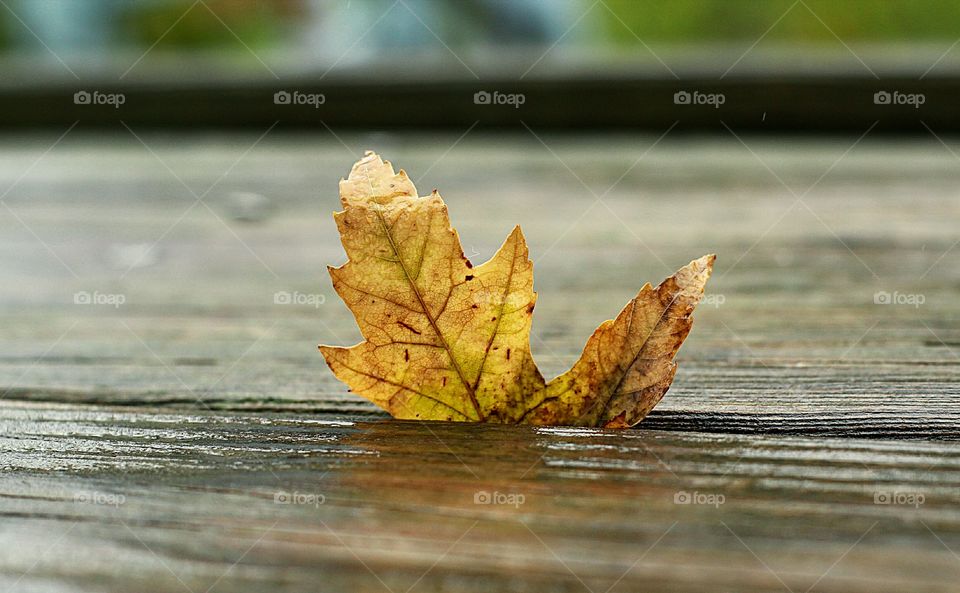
x: 341, y: 504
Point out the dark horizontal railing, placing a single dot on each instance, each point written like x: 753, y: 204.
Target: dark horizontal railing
x: 791, y: 103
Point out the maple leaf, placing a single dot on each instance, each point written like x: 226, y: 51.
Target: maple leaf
x: 446, y: 341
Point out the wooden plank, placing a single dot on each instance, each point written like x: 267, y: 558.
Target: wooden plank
x: 114, y: 499
x: 143, y: 445
x: 795, y: 345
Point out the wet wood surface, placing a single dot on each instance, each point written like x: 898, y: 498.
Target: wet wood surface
x: 189, y: 438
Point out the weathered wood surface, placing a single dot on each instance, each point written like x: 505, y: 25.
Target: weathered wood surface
x: 199, y: 399
x: 172, y: 501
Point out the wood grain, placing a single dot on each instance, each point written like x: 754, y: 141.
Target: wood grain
x: 179, y: 498
x: 143, y: 445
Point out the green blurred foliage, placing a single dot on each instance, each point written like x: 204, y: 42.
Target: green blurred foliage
x: 738, y: 20
x: 4, y: 30
x: 257, y: 23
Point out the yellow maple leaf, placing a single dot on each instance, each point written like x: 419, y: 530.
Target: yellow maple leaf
x: 446, y: 341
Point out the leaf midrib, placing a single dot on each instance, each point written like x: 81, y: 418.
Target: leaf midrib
x: 646, y: 340
x: 426, y: 313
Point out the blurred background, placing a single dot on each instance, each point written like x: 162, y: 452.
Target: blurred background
x: 781, y: 64
x: 311, y: 36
